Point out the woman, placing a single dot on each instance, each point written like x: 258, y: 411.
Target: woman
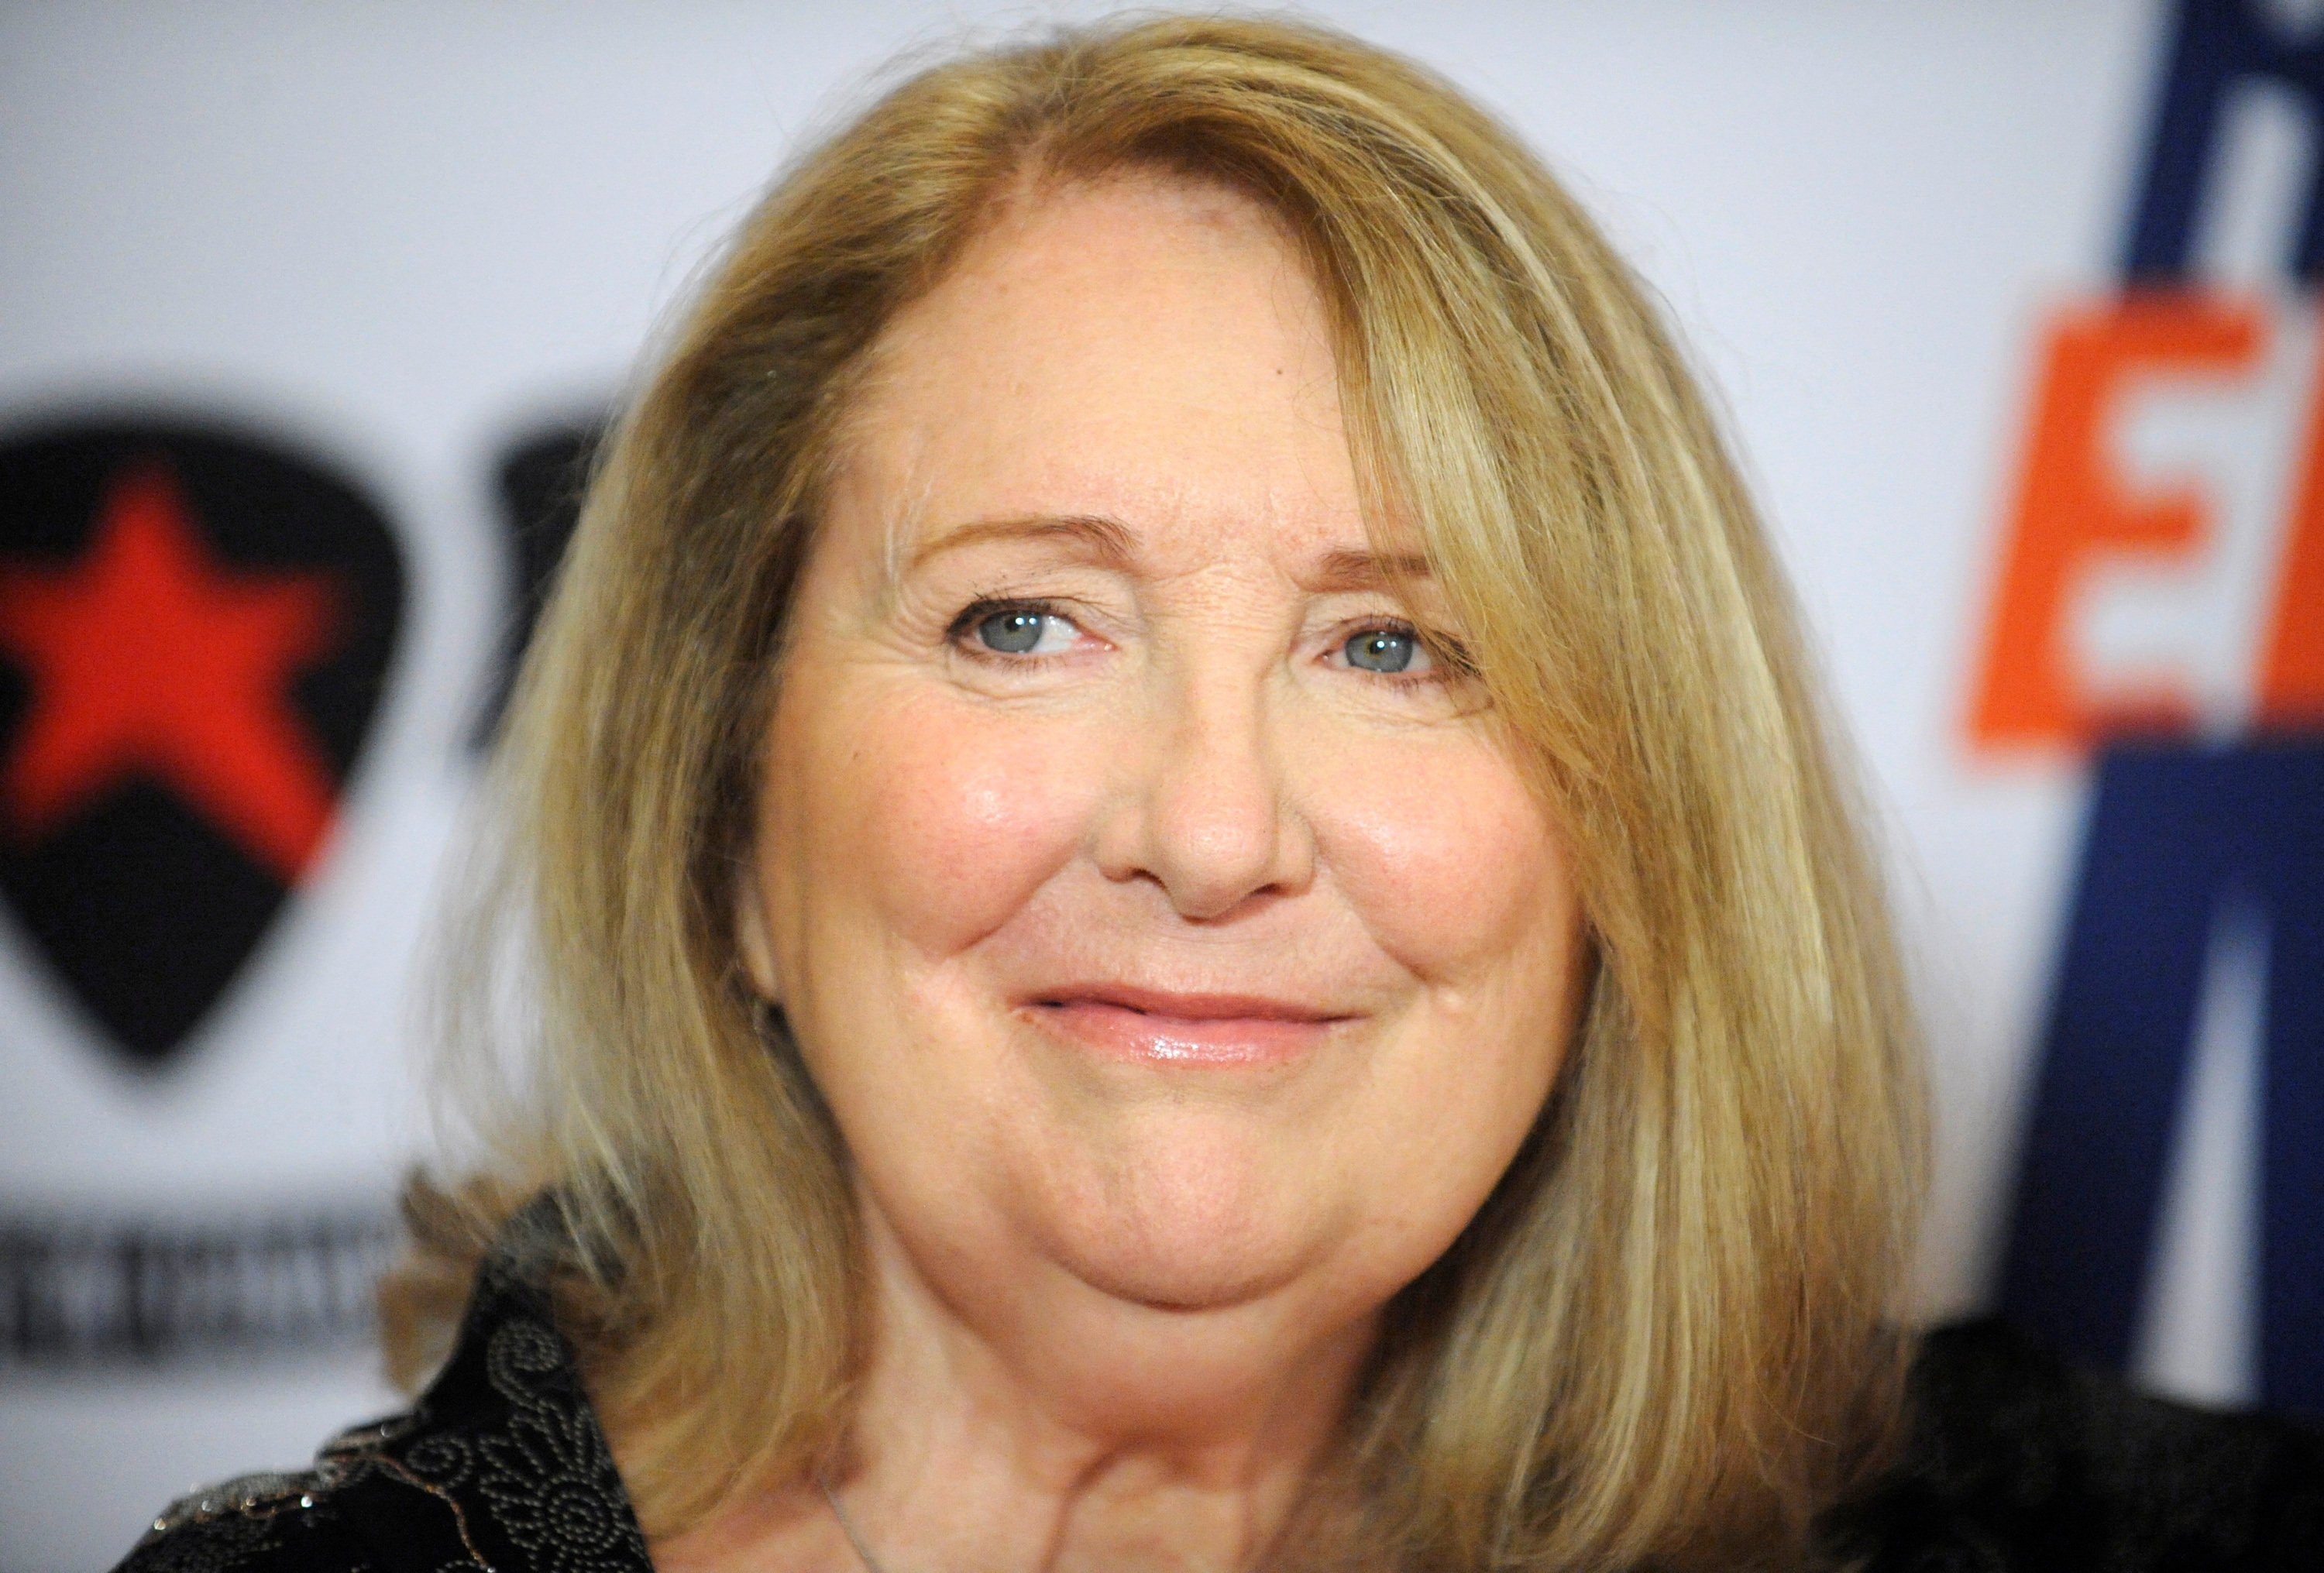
x: 1189, y: 910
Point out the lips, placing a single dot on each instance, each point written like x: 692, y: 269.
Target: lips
x: 1159, y: 1027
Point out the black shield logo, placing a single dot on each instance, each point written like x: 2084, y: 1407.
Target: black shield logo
x: 542, y: 478
x: 195, y: 625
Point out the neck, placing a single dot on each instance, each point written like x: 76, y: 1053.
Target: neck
x: 1026, y: 1420
x: 1016, y: 1419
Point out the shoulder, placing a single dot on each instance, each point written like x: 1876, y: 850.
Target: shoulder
x: 354, y: 1510
x: 499, y: 1466
x: 2016, y: 1458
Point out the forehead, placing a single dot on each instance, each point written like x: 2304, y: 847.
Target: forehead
x: 1143, y: 348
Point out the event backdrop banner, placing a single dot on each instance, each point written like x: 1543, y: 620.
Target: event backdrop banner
x: 309, y: 317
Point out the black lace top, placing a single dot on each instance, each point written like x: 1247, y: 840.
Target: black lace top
x: 2018, y: 1462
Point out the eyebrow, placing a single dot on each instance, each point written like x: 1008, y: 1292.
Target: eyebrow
x: 1106, y: 540
x: 1348, y: 571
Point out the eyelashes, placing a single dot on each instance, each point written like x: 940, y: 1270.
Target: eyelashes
x: 1010, y: 631
x: 1006, y: 629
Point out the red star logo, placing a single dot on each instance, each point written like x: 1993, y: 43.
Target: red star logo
x: 149, y: 658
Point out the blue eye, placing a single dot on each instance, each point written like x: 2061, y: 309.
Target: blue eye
x: 1014, y: 632
x: 1381, y: 650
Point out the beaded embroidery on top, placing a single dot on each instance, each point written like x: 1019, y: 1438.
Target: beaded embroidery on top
x: 260, y: 1496
x: 504, y: 1447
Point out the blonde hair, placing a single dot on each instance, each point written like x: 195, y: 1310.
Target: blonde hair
x: 1661, y: 1338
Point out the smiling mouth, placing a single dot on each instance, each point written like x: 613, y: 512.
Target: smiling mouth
x: 1191, y: 1030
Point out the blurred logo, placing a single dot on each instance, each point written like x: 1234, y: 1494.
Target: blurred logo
x: 195, y: 632
x: 79, y: 1290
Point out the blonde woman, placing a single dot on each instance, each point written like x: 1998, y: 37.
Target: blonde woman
x: 1190, y: 910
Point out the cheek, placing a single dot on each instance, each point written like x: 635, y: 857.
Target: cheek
x: 1452, y: 864
x: 923, y: 817
x: 1460, y: 876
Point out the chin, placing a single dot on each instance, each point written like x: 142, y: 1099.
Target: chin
x: 1195, y: 1231
x: 1186, y: 1279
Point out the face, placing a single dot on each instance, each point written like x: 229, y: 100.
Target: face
x: 1148, y: 892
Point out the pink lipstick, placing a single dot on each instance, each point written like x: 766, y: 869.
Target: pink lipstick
x: 1191, y: 1030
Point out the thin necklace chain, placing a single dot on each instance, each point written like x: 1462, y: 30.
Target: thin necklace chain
x: 847, y: 1527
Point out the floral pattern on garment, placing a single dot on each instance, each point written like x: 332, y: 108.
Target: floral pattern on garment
x: 501, y: 1467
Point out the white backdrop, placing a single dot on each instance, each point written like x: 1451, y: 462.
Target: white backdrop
x: 402, y: 236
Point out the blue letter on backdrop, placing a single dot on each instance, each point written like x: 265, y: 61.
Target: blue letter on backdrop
x: 2173, y: 833
x: 2220, y: 45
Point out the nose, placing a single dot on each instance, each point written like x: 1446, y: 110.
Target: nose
x: 1201, y: 807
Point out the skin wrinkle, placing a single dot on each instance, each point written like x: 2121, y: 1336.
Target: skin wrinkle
x: 1120, y: 1306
